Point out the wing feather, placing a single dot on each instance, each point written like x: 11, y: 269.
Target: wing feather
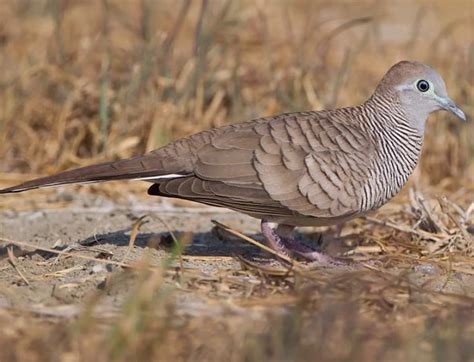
x: 295, y: 164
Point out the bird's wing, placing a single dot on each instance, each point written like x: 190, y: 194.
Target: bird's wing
x: 250, y: 200
x: 303, y: 163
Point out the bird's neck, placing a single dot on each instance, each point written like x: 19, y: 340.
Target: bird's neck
x: 398, y: 147
x: 393, y: 112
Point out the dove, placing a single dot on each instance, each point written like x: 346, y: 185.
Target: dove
x: 315, y: 168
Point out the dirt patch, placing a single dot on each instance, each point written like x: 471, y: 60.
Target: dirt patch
x: 210, y: 289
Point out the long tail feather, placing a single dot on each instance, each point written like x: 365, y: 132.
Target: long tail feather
x: 132, y: 168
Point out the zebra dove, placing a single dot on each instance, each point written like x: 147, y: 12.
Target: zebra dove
x: 294, y: 169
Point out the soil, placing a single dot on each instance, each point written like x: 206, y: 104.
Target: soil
x: 100, y: 228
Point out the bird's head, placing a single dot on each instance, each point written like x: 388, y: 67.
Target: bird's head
x: 420, y: 90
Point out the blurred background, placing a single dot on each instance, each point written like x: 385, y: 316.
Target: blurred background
x: 85, y: 81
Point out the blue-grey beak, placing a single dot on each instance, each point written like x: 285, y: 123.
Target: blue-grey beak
x: 450, y: 106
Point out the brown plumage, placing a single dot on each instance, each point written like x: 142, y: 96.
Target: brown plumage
x: 305, y: 168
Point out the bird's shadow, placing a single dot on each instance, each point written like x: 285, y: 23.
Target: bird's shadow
x: 212, y: 243
x: 209, y: 243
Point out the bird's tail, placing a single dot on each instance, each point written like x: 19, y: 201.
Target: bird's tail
x: 141, y: 167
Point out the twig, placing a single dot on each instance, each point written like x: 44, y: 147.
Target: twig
x: 66, y: 253
x: 11, y: 259
x: 91, y: 258
x: 445, y: 203
x: 267, y: 271
x: 404, y: 229
x: 63, y: 272
x: 198, y: 29
x: 172, y: 35
x: 256, y: 243
x: 133, y: 236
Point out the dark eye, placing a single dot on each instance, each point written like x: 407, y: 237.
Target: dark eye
x: 423, y: 85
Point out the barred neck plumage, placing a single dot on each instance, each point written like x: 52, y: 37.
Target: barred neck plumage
x: 398, y: 147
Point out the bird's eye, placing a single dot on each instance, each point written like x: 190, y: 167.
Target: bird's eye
x: 423, y: 85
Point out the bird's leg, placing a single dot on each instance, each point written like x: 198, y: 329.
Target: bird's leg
x: 284, y: 240
x: 339, y: 228
x: 273, y: 240
x: 285, y: 231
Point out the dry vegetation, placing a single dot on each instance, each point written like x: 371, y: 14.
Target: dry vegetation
x: 86, y: 81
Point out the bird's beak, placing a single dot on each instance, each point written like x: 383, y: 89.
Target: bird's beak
x: 450, y: 106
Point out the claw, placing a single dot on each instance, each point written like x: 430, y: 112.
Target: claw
x: 280, y: 240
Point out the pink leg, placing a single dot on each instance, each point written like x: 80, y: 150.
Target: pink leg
x: 281, y: 240
x: 274, y: 241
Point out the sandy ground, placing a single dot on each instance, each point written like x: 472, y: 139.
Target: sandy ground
x: 99, y: 227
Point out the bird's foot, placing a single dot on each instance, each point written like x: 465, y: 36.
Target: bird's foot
x: 324, y: 259
x: 280, y: 240
x: 310, y: 254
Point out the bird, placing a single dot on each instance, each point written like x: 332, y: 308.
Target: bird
x: 314, y: 168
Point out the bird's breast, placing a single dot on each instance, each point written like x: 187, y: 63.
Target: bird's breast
x: 396, y: 158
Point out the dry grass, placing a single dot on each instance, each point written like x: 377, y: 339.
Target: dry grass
x: 87, y: 81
